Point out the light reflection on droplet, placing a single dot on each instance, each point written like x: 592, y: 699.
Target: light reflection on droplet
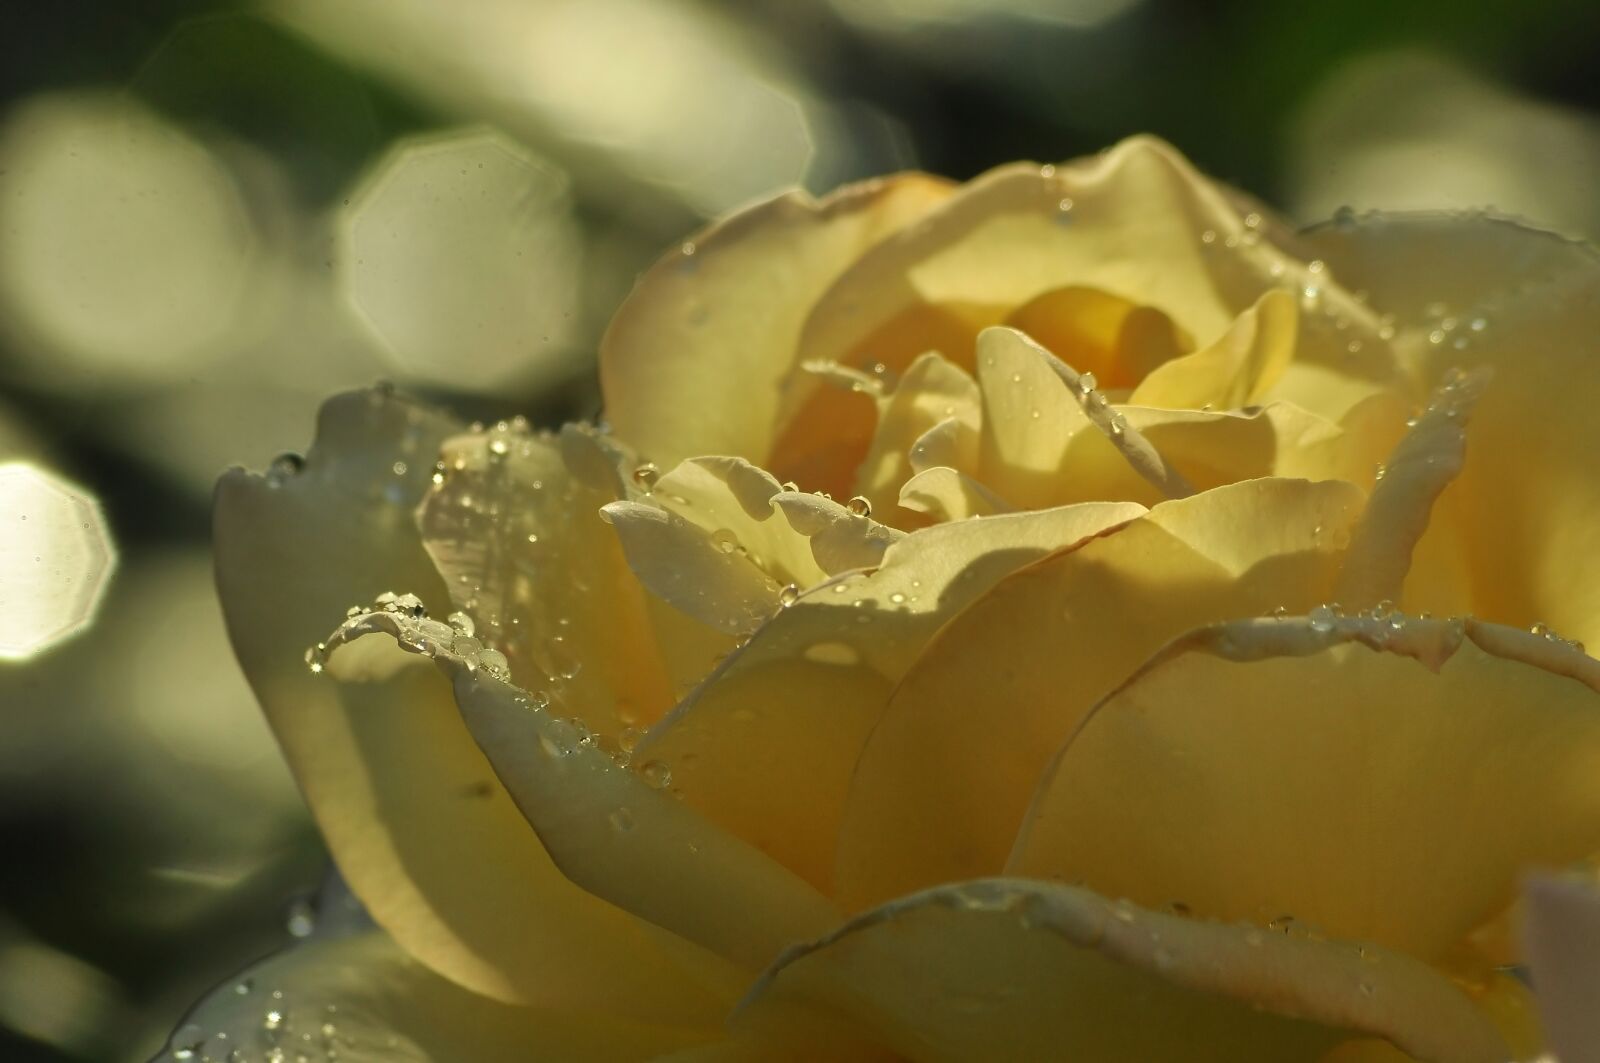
x: 55, y: 559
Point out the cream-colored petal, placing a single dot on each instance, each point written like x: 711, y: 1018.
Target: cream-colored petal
x: 361, y: 999
x: 766, y: 746
x: 403, y: 796
x: 934, y: 394
x: 684, y: 567
x: 1117, y: 340
x: 1377, y: 778
x: 1421, y: 467
x: 951, y: 442
x: 515, y: 528
x: 1237, y: 369
x: 1006, y: 680
x: 1527, y: 303
x: 1561, y: 935
x: 1139, y: 223
x: 1012, y: 969
x: 1036, y: 408
x: 1029, y: 417
x: 841, y: 539
x: 693, y: 360
x: 732, y: 500
x: 947, y: 495
x: 607, y: 825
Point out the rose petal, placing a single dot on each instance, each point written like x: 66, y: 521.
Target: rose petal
x: 841, y: 539
x: 403, y: 796
x: 766, y: 746
x: 1526, y: 303
x: 1376, y: 781
x: 610, y: 828
x: 1117, y: 340
x: 1007, y: 680
x: 1136, y: 228
x: 682, y: 566
x: 361, y: 999
x: 933, y: 393
x: 732, y: 500
x: 1011, y: 969
x: 713, y: 326
x: 947, y: 495
x: 515, y: 528
x: 1237, y: 369
x: 1422, y: 465
x: 1561, y: 933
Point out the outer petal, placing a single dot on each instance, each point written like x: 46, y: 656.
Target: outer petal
x: 766, y: 746
x: 693, y: 360
x: 403, y: 796
x: 1010, y: 969
x: 515, y: 528
x: 1377, y: 778
x: 1008, y: 679
x: 1490, y: 292
x: 363, y: 1000
x: 1561, y: 933
x: 608, y: 827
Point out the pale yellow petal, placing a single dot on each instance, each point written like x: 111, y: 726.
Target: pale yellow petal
x: 680, y: 564
x: 766, y: 746
x: 1012, y: 969
x: 607, y: 825
x: 694, y: 359
x: 732, y: 500
x: 402, y: 794
x: 1422, y: 465
x: 947, y: 495
x: 1029, y: 418
x: 1140, y: 224
x: 1116, y: 339
x: 515, y: 528
x: 1237, y: 368
x: 1376, y: 778
x: 932, y: 393
x: 1561, y: 935
x: 841, y: 538
x: 1005, y: 681
x: 361, y: 999
x: 1527, y: 303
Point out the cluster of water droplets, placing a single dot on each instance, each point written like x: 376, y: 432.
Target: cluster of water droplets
x: 420, y: 633
x: 283, y: 1031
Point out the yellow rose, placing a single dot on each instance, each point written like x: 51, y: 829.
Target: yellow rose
x: 1048, y: 742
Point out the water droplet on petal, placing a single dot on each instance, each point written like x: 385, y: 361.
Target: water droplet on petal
x: 788, y: 595
x: 860, y: 506
x: 646, y: 475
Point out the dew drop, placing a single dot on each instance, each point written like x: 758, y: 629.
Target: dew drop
x: 859, y: 505
x: 1539, y: 627
x: 1322, y: 618
x: 657, y: 773
x: 317, y: 658
x: 462, y: 623
x: 646, y: 475
x: 788, y: 595
x: 724, y: 540
x: 301, y: 921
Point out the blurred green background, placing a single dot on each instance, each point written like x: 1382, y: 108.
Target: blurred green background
x: 212, y: 215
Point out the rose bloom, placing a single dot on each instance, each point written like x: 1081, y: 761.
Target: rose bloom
x: 1064, y: 615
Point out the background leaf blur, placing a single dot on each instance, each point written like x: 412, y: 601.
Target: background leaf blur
x: 212, y: 215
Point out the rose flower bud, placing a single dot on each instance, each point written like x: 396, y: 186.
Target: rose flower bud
x: 1064, y: 615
